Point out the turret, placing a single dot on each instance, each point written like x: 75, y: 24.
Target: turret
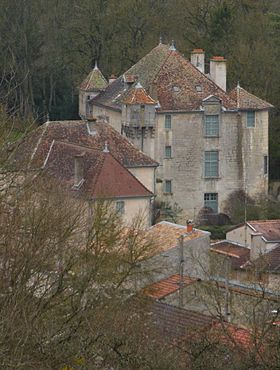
x: 92, y: 85
x: 138, y: 108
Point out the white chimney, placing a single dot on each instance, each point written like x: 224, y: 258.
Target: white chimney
x: 218, y: 71
x: 198, y: 59
x: 112, y: 78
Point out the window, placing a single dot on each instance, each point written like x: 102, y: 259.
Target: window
x: 251, y: 119
x: 265, y: 165
x: 120, y: 207
x: 168, y: 152
x: 198, y: 88
x: 211, y: 201
x: 167, y: 123
x: 168, y: 186
x: 211, y: 125
x: 211, y: 164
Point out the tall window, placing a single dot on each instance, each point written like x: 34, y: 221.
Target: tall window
x: 211, y: 163
x: 265, y: 164
x: 211, y: 201
x: 167, y: 123
x: 211, y: 125
x: 168, y: 186
x: 251, y: 119
x: 120, y: 206
x: 168, y: 152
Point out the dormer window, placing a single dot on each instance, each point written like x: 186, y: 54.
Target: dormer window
x: 176, y: 89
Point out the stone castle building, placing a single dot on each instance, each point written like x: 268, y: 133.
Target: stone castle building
x: 208, y: 142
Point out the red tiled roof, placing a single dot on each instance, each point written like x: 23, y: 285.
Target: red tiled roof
x: 165, y: 235
x: 270, y: 229
x: 233, y: 335
x: 103, y: 175
x: 270, y: 261
x: 169, y: 78
x: 166, y: 286
x: 196, y: 51
x: 138, y: 95
x: 34, y: 148
x: 176, y: 324
x: 245, y: 100
x: 238, y: 254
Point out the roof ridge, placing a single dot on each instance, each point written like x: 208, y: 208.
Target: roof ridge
x: 165, y: 60
x: 78, y: 145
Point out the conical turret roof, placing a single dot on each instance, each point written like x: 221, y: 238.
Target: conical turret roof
x: 95, y: 81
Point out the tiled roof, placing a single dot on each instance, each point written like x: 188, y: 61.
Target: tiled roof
x: 233, y: 335
x: 166, y: 286
x: 238, y: 254
x: 270, y: 261
x: 137, y: 95
x: 170, y: 78
x: 176, y: 324
x: 103, y: 175
x: 34, y: 148
x: 270, y: 229
x: 165, y: 235
x: 245, y: 100
x: 95, y: 81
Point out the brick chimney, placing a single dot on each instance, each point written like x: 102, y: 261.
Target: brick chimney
x: 112, y: 78
x: 218, y: 71
x: 189, y: 226
x: 79, y: 169
x: 198, y: 59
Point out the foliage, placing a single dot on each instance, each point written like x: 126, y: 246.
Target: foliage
x: 217, y: 232
x: 165, y: 211
x: 48, y: 47
x: 258, y: 208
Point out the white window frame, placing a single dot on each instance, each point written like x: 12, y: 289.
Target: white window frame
x: 120, y: 207
x: 168, y: 152
x: 168, y: 188
x: 251, y: 119
x: 211, y: 164
x: 168, y: 121
x: 211, y: 125
x: 212, y: 200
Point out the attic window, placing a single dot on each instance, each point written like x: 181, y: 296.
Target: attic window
x: 176, y: 89
x: 198, y: 88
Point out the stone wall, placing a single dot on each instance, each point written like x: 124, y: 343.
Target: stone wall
x: 241, y: 152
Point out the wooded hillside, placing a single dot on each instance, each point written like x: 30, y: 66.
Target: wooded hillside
x: 48, y: 47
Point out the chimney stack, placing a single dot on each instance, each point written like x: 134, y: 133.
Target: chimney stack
x: 112, y: 78
x: 218, y: 71
x: 198, y: 59
x: 189, y: 226
x: 79, y: 169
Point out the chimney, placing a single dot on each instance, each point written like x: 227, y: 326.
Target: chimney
x: 79, y: 169
x: 189, y: 226
x: 112, y: 78
x: 218, y: 71
x: 198, y: 59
